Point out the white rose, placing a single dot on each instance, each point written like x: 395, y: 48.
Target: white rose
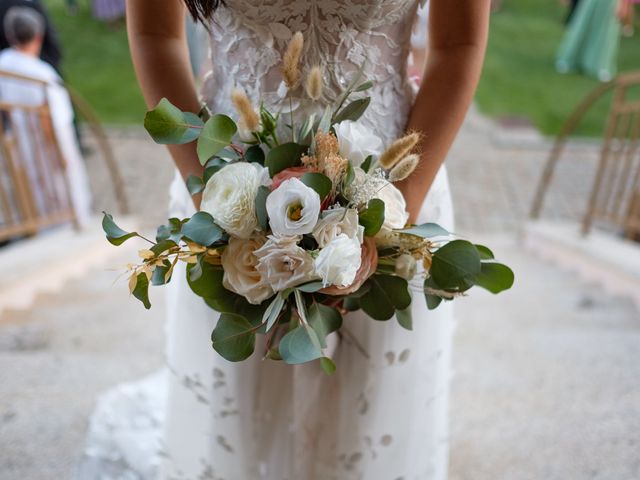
x: 283, y: 264
x: 406, y: 266
x: 339, y: 261
x: 337, y: 221
x: 240, y: 274
x: 357, y: 142
x: 293, y: 208
x: 230, y: 197
x: 395, y: 207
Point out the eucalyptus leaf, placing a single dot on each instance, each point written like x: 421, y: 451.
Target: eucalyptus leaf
x: 426, y: 230
x: 310, y: 287
x: 284, y: 156
x: 213, y: 165
x: 405, y: 318
x: 255, y: 154
x: 350, y: 176
x: 160, y: 272
x: 141, y: 291
x: 433, y: 301
x: 163, y: 246
x: 372, y: 218
x: 387, y: 293
x: 353, y: 111
x: 273, y: 311
x: 455, y: 265
x: 298, y: 346
x: 327, y: 365
x: 216, y: 135
x: 324, y: 320
x: 167, y: 124
x: 207, y: 282
x: 325, y: 121
x: 234, y: 337
x: 364, y: 86
x: 485, y: 253
x: 115, y: 235
x: 202, y: 229
x: 195, y: 185
x: 261, y: 207
x: 495, y: 277
x: 319, y: 182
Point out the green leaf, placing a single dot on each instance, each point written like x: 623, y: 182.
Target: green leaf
x: 455, y: 265
x: 272, y: 312
x: 351, y: 304
x: 298, y: 346
x: 172, y: 231
x: 202, y: 229
x: 234, y: 337
x: 254, y: 154
x: 485, y: 253
x: 195, y: 184
x: 163, y: 246
x: 216, y: 135
x: 115, y: 235
x: 284, y: 156
x: 141, y: 291
x: 261, y: 207
x: 426, y: 230
x: 405, y: 319
x: 387, y: 294
x: 325, y: 121
x: 364, y: 86
x: 319, y: 182
x: 205, y: 279
x: 366, y: 165
x: 306, y: 128
x: 310, y: 287
x: 373, y: 217
x: 167, y: 124
x: 214, y: 165
x: 327, y: 365
x: 324, y: 320
x: 350, y: 175
x: 495, y: 277
x: 160, y: 272
x: 433, y: 301
x: 353, y: 111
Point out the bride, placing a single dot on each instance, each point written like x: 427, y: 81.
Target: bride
x: 383, y: 415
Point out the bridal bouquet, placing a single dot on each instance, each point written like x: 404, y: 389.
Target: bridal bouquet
x: 293, y: 233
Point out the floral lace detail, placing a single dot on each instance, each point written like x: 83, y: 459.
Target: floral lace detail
x: 248, y: 38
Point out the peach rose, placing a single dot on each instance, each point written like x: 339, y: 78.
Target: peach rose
x: 286, y: 174
x: 367, y: 268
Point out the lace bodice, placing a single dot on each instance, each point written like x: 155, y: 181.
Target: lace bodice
x: 248, y: 38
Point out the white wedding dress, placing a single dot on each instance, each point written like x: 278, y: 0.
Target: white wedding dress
x: 383, y: 415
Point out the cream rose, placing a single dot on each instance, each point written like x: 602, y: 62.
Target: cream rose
x: 230, y: 197
x: 283, y: 264
x: 338, y: 262
x: 357, y: 142
x: 293, y: 208
x: 240, y: 274
x: 337, y: 221
x: 395, y: 207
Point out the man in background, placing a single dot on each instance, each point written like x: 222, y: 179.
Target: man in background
x: 25, y: 32
x: 51, y: 51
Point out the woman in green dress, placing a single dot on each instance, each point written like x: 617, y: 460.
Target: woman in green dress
x: 590, y: 44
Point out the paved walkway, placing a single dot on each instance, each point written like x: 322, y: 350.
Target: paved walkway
x: 547, y: 375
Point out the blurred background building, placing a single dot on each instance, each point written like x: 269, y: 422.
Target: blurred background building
x: 546, y: 169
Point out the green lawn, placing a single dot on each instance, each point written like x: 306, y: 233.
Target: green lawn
x: 519, y: 78
x: 97, y: 64
x: 518, y: 81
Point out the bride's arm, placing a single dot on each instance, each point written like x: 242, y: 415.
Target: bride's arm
x: 158, y: 46
x: 457, y: 40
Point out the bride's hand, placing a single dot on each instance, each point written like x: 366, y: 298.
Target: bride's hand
x: 458, y: 34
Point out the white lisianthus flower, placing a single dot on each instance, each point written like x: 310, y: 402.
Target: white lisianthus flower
x: 395, y: 207
x: 283, y: 264
x: 357, y: 142
x: 406, y: 266
x: 337, y: 221
x: 293, y: 208
x: 230, y: 197
x: 338, y: 262
x: 240, y: 274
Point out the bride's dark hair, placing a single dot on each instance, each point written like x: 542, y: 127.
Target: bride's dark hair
x: 202, y: 9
